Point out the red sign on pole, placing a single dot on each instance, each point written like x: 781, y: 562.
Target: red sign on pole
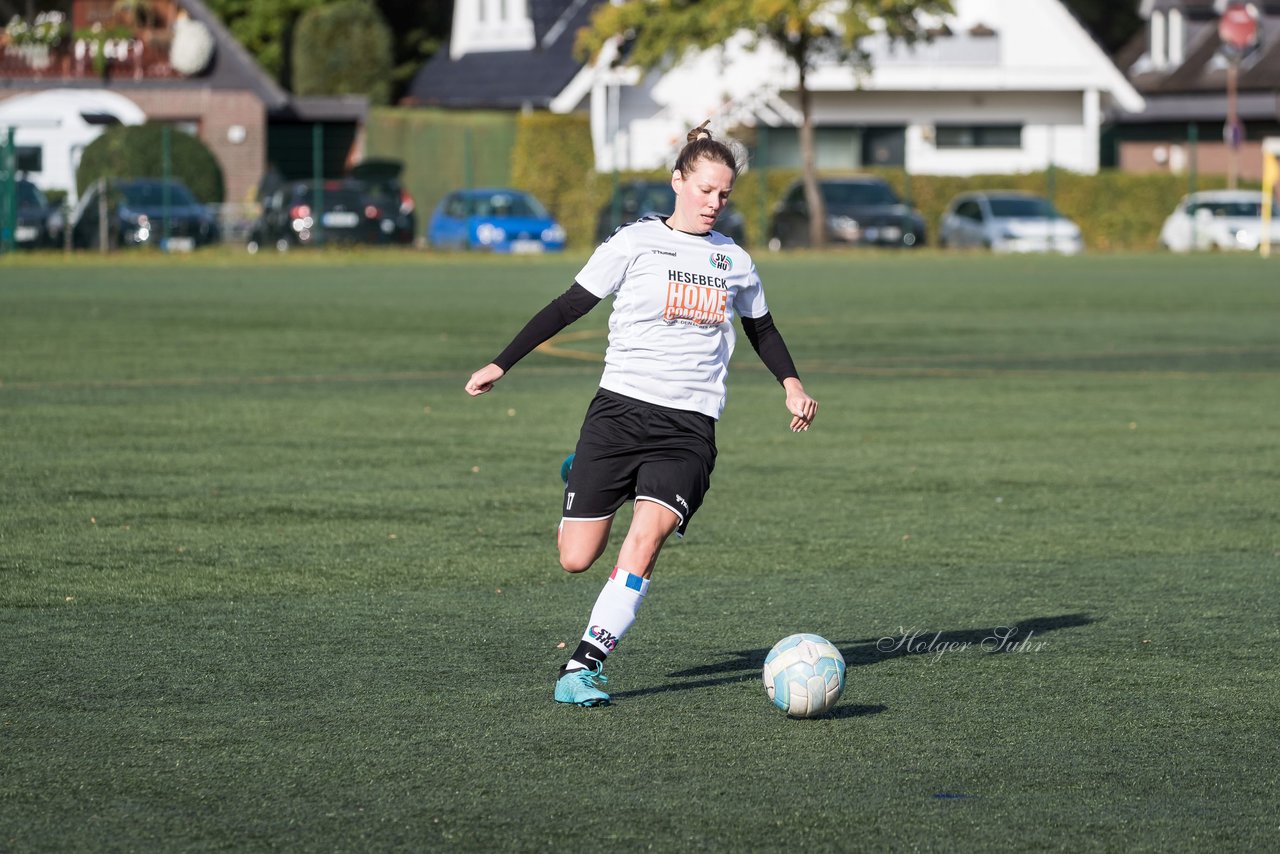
x: 1238, y: 28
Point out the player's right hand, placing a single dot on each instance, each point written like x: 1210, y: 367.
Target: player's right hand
x: 483, y: 379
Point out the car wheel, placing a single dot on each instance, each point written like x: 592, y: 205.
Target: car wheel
x: 909, y: 239
x: 775, y: 244
x: 282, y: 245
x: 252, y: 247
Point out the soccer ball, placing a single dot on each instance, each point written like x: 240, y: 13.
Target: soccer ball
x: 804, y: 675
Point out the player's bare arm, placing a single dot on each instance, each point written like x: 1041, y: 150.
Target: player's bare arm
x: 803, y: 408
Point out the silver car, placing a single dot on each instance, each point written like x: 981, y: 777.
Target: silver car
x: 1218, y: 219
x: 1008, y: 221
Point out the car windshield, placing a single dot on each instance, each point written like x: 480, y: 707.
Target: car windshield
x: 1227, y: 208
x: 29, y: 196
x: 858, y: 194
x: 1019, y: 208
x: 151, y: 195
x: 504, y: 205
x: 347, y: 198
x: 659, y: 198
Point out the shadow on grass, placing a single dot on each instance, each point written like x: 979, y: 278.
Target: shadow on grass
x: 744, y: 665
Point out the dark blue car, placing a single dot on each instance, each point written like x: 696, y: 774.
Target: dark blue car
x: 494, y: 220
x: 139, y: 210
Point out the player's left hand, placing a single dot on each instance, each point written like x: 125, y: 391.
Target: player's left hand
x: 482, y: 380
x: 803, y: 408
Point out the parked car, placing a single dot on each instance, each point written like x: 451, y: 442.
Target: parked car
x: 136, y: 215
x: 303, y: 213
x: 496, y: 220
x: 398, y: 221
x: 39, y: 223
x: 1219, y: 219
x: 634, y: 199
x: 1008, y: 221
x: 862, y: 211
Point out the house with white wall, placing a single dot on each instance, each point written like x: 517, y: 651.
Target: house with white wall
x: 1004, y: 86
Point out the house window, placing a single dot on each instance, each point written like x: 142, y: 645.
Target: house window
x: 1177, y: 35
x: 1158, y: 41
x: 835, y: 147
x: 978, y: 136
x: 30, y: 158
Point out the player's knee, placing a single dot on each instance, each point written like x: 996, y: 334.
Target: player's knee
x: 576, y: 561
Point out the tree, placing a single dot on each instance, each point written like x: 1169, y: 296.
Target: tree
x: 265, y: 28
x: 419, y: 28
x: 343, y: 48
x: 1112, y: 22
x: 807, y: 32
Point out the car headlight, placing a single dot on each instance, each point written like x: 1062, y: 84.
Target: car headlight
x: 845, y: 226
x: 488, y: 233
x: 553, y: 234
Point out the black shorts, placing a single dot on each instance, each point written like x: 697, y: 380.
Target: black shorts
x: 630, y: 449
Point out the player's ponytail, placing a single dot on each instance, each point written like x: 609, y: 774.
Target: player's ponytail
x: 700, y: 144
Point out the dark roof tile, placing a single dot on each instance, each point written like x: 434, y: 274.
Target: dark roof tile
x: 508, y: 79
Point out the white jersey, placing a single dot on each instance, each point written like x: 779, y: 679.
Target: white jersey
x: 675, y: 296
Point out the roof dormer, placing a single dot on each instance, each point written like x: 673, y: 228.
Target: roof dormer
x: 481, y: 26
x: 1166, y: 33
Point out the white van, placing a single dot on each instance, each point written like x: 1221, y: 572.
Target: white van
x: 52, y: 128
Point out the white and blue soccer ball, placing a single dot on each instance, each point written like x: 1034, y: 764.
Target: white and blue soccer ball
x: 804, y: 675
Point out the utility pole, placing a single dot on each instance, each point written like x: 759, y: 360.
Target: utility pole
x: 1238, y: 32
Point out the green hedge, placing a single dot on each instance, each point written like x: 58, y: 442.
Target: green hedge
x: 442, y: 150
x: 1115, y: 210
x: 136, y: 151
x: 553, y: 159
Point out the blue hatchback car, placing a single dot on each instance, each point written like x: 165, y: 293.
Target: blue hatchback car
x: 494, y: 220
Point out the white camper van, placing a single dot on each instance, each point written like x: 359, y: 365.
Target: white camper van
x: 52, y: 128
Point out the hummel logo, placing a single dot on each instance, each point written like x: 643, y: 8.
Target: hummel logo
x: 681, y: 502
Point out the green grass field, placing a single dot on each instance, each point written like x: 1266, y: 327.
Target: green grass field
x: 270, y: 580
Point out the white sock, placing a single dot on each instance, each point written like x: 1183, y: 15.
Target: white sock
x: 614, y: 612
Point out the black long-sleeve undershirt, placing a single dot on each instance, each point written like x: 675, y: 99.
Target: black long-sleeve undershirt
x: 767, y: 341
x: 559, y: 313
x: 764, y: 336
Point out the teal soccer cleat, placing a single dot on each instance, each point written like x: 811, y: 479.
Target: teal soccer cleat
x: 579, y: 687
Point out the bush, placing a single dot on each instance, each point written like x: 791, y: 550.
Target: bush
x: 137, y: 151
x: 553, y: 159
x: 343, y: 49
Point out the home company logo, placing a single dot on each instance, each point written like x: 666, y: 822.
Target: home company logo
x: 695, y: 298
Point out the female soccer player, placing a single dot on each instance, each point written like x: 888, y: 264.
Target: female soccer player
x: 649, y: 433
